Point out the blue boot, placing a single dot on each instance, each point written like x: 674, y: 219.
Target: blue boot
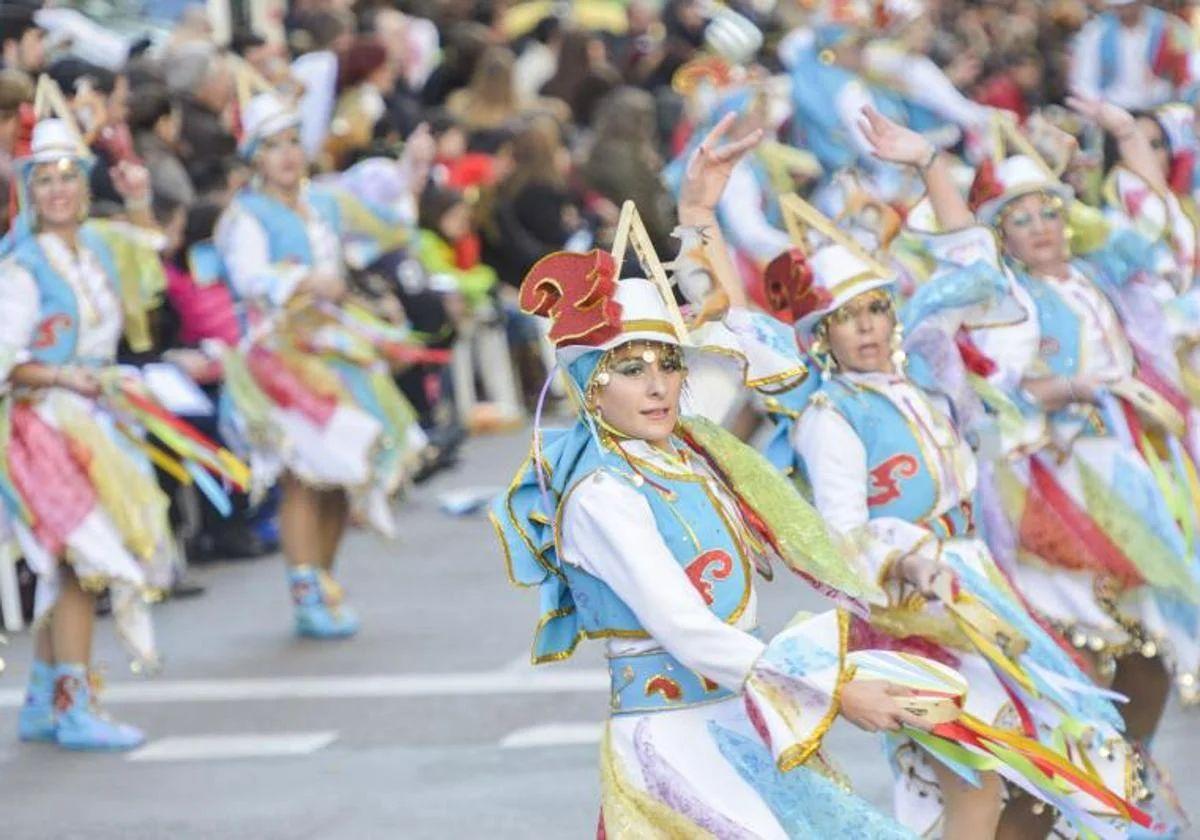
x: 35, y: 722
x: 80, y: 725
x: 319, y: 610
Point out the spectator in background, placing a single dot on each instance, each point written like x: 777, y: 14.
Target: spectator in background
x: 465, y: 45
x: 397, y: 33
x: 583, y: 75
x: 624, y: 162
x: 155, y: 122
x: 22, y: 44
x: 491, y: 100
x: 534, y: 211
x: 538, y: 61
x: 202, y: 80
x: 365, y: 80
x: 16, y: 90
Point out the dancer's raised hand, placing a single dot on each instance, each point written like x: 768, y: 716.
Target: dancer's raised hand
x: 893, y: 142
x: 710, y: 166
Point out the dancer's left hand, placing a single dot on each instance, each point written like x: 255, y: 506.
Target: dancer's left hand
x: 709, y: 168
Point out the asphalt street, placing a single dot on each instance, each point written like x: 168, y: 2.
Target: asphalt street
x: 430, y: 724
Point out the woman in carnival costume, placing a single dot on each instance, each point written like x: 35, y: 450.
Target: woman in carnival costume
x: 629, y: 523
x: 310, y: 392
x: 889, y: 471
x: 1156, y: 198
x: 82, y: 503
x: 644, y: 529
x: 1078, y: 519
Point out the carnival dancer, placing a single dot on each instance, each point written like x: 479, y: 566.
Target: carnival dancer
x: 79, y: 494
x: 1151, y: 191
x: 640, y: 524
x: 632, y: 533
x: 310, y: 393
x: 1133, y: 54
x: 1156, y: 198
x: 836, y: 70
x: 888, y: 469
x: 1078, y: 518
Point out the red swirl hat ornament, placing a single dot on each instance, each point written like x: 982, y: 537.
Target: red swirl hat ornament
x: 985, y: 186
x: 790, y: 286
x: 577, y: 292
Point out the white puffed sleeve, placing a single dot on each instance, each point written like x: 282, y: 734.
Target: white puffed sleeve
x: 744, y: 219
x: 836, y: 464
x: 608, y: 530
x: 243, y: 245
x: 19, y: 303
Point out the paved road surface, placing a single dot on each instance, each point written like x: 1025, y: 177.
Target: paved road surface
x: 431, y: 724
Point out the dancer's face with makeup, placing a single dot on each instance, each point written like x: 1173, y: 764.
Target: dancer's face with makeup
x: 639, y: 397
x: 859, y: 333
x: 1035, y: 232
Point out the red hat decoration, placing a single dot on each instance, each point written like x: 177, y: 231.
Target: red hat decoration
x: 791, y: 287
x: 985, y: 186
x: 577, y: 293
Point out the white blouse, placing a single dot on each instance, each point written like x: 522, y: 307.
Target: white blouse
x: 100, y: 315
x: 244, y: 246
x: 609, y: 531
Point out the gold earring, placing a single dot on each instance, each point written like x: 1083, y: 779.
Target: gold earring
x: 822, y: 357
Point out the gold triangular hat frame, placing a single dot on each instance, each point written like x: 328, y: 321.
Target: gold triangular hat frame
x: 48, y: 101
x: 800, y: 216
x: 1006, y: 134
x: 631, y: 230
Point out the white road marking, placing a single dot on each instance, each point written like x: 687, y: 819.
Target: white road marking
x: 464, y: 683
x: 214, y: 747
x: 553, y: 735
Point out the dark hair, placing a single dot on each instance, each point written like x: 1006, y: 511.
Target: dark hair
x: 200, y: 225
x: 164, y: 206
x: 70, y: 71
x: 15, y: 21
x: 210, y: 174
x: 244, y: 40
x: 201, y: 221
x: 547, y: 28
x: 435, y: 203
x: 440, y: 121
x: 1112, y: 149
x: 148, y: 104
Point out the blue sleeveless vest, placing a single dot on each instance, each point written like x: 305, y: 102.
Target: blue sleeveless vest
x: 901, y: 484
x: 816, y: 124
x: 57, y: 333
x: 1110, y: 54
x: 287, y: 238
x: 693, y: 526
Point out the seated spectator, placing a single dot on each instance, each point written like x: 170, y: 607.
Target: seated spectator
x: 448, y: 245
x: 202, y: 80
x: 365, y: 81
x: 491, y: 100
x: 16, y: 92
x: 155, y: 122
x: 624, y: 162
x: 583, y: 75
x: 534, y: 210
x: 22, y: 44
